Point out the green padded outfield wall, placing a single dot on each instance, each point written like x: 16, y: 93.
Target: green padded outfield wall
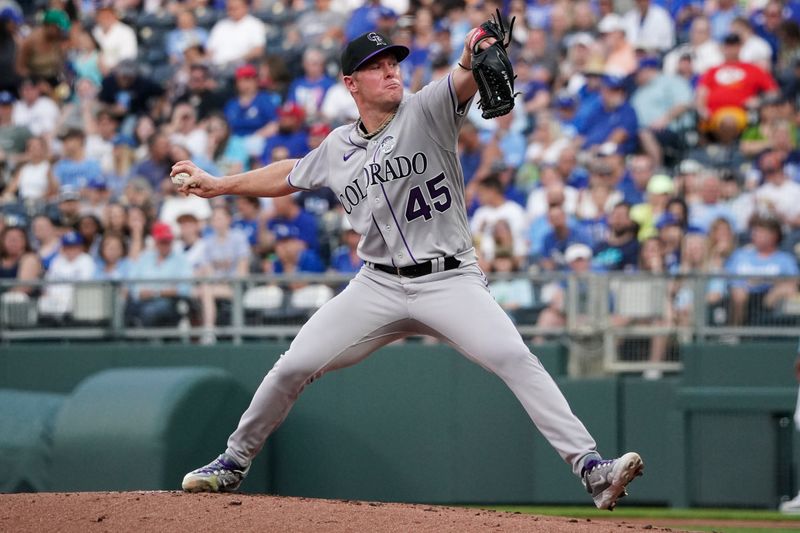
x: 735, y: 403
x: 142, y: 428
x: 420, y: 423
x: 27, y: 421
x: 414, y: 422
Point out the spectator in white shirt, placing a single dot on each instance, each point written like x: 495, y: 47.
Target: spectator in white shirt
x: 650, y: 27
x: 174, y: 205
x: 779, y: 196
x: 551, y: 183
x: 494, y: 207
x: 117, y: 40
x: 704, y: 51
x: 185, y: 131
x: 238, y: 38
x: 32, y: 181
x: 190, y: 241
x: 754, y: 49
x: 101, y: 129
x: 71, y: 264
x: 35, y: 111
x: 337, y: 107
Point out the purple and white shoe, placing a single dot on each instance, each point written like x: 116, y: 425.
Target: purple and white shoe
x: 221, y: 475
x: 606, y: 479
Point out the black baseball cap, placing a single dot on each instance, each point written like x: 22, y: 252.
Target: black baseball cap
x: 732, y: 38
x: 363, y: 48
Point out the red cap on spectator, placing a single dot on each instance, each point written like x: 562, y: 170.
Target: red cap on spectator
x: 291, y: 109
x: 246, y: 71
x: 162, y: 232
x: 320, y: 129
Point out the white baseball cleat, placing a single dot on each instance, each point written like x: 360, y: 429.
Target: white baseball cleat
x: 792, y: 506
x: 606, y: 479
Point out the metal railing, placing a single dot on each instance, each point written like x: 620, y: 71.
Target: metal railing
x: 611, y: 322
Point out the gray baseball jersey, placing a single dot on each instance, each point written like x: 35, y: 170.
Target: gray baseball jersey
x: 403, y: 191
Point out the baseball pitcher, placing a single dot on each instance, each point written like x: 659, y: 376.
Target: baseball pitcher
x: 396, y: 173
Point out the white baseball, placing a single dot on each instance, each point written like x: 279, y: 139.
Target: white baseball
x: 180, y: 177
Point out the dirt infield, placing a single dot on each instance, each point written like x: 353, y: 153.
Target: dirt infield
x: 176, y: 512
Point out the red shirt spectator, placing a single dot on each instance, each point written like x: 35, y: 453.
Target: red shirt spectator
x: 733, y: 83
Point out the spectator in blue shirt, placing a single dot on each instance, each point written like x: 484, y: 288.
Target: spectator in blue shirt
x: 288, y: 212
x: 614, y: 121
x: 757, y: 301
x: 345, y: 258
x: 588, y: 94
x: 74, y: 170
x: 364, y: 19
x: 510, y: 142
x: 661, y: 102
x: 252, y: 114
x: 309, y: 90
x: 470, y: 150
x: 292, y: 133
x: 709, y: 206
x: 721, y: 18
x: 565, y: 111
x: 186, y: 34
x: 767, y: 22
x: 563, y: 234
x: 154, y: 304
x: 248, y: 218
x: 292, y: 253
x: 633, y: 185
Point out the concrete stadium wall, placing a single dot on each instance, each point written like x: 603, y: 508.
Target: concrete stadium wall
x: 420, y: 423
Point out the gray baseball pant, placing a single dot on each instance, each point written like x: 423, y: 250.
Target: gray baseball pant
x: 377, y: 308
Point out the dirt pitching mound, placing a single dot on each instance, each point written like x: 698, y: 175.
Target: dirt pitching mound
x: 178, y: 512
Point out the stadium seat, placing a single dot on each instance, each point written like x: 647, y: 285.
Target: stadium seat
x: 17, y: 310
x: 263, y: 304
x: 93, y: 303
x: 310, y: 297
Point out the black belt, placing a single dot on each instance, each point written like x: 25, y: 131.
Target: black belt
x: 415, y: 271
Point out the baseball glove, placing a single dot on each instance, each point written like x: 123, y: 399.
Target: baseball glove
x: 492, y: 69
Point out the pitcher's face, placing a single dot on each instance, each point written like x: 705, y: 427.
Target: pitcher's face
x: 378, y: 82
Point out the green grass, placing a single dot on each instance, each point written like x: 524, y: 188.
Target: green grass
x: 723, y: 529
x: 663, y: 515
x: 650, y: 512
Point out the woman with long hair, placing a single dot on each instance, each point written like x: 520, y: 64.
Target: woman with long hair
x: 17, y: 259
x: 113, y: 263
x: 228, y: 153
x: 91, y: 229
x: 115, y: 219
x: 721, y: 244
x: 47, y: 239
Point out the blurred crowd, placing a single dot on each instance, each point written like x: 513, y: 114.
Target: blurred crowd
x: 651, y: 136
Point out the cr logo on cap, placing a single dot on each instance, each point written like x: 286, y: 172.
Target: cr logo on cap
x: 377, y: 39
